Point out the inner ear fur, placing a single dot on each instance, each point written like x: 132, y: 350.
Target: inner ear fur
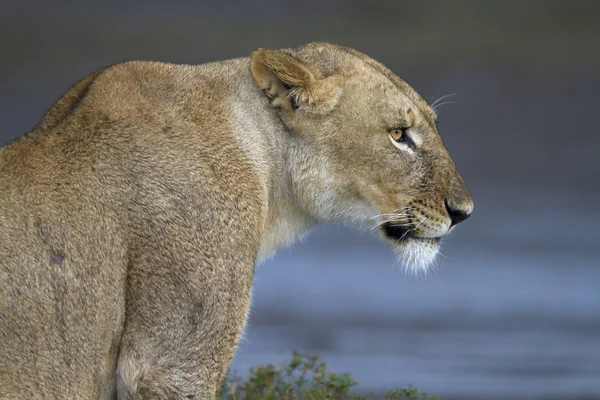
x: 281, y: 75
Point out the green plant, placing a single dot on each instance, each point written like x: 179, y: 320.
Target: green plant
x: 303, y: 378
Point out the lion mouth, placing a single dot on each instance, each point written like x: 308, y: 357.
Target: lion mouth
x: 397, y: 232
x: 400, y: 233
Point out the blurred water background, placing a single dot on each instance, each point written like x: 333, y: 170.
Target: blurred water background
x: 513, y: 312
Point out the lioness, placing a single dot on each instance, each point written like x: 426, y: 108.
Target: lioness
x: 132, y: 217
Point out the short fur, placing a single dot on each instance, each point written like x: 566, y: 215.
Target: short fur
x: 132, y: 217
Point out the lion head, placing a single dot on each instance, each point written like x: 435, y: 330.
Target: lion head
x: 364, y: 147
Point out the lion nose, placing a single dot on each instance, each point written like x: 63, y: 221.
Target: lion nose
x: 458, y: 212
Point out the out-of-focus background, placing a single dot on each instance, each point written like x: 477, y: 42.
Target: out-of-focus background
x: 514, y: 310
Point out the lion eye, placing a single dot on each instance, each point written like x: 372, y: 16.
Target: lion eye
x: 401, y: 139
x: 398, y: 134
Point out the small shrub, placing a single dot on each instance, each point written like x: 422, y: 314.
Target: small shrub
x: 303, y: 378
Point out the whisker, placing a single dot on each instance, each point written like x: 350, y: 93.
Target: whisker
x: 411, y: 230
x: 395, y: 218
x: 402, y: 237
x: 441, y: 253
x: 417, y: 227
x: 391, y: 220
x: 388, y: 215
x: 407, y: 224
x: 399, y: 218
x: 441, y: 98
x: 381, y: 223
x: 445, y: 102
x: 397, y: 223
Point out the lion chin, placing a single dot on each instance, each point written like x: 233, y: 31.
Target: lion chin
x: 418, y: 255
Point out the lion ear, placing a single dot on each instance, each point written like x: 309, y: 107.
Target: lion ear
x: 288, y: 81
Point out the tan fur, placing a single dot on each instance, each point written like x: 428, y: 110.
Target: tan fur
x: 132, y: 217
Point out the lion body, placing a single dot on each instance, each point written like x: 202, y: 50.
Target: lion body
x: 131, y: 220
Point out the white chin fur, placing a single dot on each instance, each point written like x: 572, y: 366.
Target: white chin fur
x: 417, y: 256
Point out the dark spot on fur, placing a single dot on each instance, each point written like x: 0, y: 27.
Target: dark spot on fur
x: 42, y: 230
x: 190, y: 396
x: 58, y: 259
x: 167, y: 130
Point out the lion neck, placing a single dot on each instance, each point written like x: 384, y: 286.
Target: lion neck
x: 268, y: 146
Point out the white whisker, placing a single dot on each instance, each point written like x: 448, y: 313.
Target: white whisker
x: 445, y: 102
x: 411, y: 230
x: 383, y: 222
x: 441, y: 98
x: 416, y: 227
x: 389, y: 215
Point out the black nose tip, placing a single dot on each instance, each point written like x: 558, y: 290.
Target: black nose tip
x: 456, y: 214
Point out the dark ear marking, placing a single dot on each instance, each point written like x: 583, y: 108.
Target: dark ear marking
x: 293, y: 97
x: 295, y: 104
